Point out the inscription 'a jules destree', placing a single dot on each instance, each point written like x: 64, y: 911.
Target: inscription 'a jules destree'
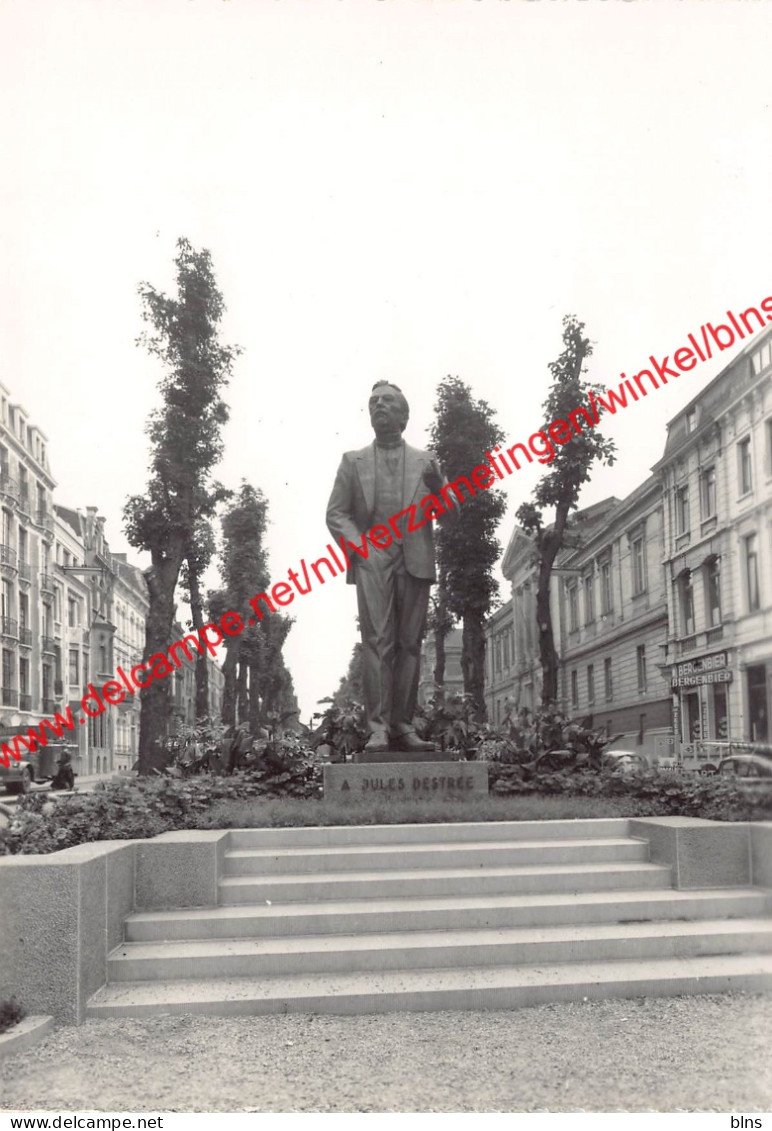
x: 459, y: 784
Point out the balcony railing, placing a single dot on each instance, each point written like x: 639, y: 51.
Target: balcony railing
x: 45, y: 522
x: 9, y: 627
x: 10, y: 697
x: 9, y: 487
x: 46, y: 583
x: 49, y: 706
x: 25, y: 637
x: 25, y: 702
x: 25, y: 572
x: 8, y: 558
x: 48, y: 644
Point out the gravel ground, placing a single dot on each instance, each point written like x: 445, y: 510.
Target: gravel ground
x: 706, y: 1053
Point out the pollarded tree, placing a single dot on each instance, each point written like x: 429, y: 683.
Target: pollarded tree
x: 186, y: 444
x: 463, y: 432
x: 559, y: 487
x: 244, y: 572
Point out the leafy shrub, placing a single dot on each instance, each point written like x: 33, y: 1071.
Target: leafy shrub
x: 128, y: 810
x: 11, y: 1013
x: 651, y: 792
x: 342, y: 728
x: 449, y: 720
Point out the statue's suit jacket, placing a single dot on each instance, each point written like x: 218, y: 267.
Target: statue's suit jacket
x: 350, y: 509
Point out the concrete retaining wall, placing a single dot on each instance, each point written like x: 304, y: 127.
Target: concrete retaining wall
x: 62, y: 914
x: 709, y: 854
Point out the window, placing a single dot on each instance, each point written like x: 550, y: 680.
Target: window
x: 713, y: 591
x: 608, y: 678
x: 574, y: 688
x: 23, y: 610
x: 638, y: 554
x: 691, y: 420
x: 24, y: 675
x: 590, y: 684
x: 589, y: 599
x: 605, y: 586
x: 752, y: 572
x: 682, y: 510
x: 744, y: 467
x: 8, y: 666
x: 640, y: 666
x: 72, y: 612
x: 761, y: 358
x: 74, y: 668
x: 573, y: 608
x: 708, y: 493
x: 641, y: 729
x: 686, y: 602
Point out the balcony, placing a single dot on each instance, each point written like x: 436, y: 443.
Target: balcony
x: 25, y: 637
x: 25, y: 702
x: 25, y: 573
x: 46, y: 583
x: 48, y: 644
x: 10, y: 697
x: 45, y: 522
x: 49, y: 706
x: 9, y: 487
x: 9, y: 628
x: 8, y: 561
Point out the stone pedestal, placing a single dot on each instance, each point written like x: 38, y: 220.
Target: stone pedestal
x: 405, y: 779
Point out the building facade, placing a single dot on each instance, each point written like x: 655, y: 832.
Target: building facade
x: 27, y: 682
x: 716, y: 476
x: 130, y: 608
x: 613, y: 623
x: 500, y: 663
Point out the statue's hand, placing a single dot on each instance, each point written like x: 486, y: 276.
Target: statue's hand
x: 433, y: 479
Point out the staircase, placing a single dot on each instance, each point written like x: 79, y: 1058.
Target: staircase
x: 426, y: 917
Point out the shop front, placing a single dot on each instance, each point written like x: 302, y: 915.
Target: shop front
x: 701, y: 705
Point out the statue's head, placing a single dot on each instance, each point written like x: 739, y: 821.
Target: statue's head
x: 389, y: 410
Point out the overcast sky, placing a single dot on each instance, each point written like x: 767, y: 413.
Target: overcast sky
x: 389, y: 188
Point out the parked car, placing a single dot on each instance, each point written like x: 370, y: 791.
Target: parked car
x: 625, y: 761
x: 747, y: 766
x: 45, y: 764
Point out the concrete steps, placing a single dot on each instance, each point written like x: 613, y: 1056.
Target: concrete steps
x: 370, y: 919
x: 508, y: 987
x: 495, y: 879
x: 250, y: 957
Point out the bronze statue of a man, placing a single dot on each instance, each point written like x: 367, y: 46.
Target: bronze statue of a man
x: 378, y: 487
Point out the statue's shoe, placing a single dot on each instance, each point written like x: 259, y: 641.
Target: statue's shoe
x: 376, y: 744
x: 411, y: 743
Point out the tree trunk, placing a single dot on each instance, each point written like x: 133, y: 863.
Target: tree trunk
x: 154, y: 699
x: 242, y: 700
x: 473, y: 661
x: 439, y: 662
x: 550, y: 544
x: 547, y: 653
x: 229, y: 689
x: 254, y: 698
x: 197, y: 616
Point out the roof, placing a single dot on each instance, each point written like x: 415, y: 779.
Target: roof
x: 71, y: 517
